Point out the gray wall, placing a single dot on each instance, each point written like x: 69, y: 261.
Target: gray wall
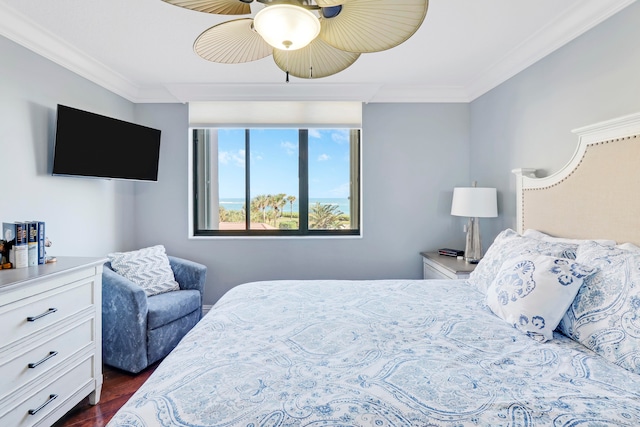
x: 84, y: 217
x: 527, y: 121
x: 412, y: 157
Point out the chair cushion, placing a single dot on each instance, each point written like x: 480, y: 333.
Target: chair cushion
x: 166, y: 307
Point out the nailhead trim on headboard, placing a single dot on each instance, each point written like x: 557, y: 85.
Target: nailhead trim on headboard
x: 589, y: 146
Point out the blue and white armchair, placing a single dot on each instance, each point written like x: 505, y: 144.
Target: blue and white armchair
x: 138, y: 330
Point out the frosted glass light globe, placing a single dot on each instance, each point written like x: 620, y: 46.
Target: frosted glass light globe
x: 286, y: 26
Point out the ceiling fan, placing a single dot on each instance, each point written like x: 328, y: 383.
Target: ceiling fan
x: 308, y: 38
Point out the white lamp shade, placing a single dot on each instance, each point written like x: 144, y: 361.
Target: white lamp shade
x: 474, y: 202
x: 286, y: 26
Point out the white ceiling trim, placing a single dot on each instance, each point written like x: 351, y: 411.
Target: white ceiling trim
x: 421, y: 93
x: 293, y: 91
x: 556, y: 34
x: 17, y: 27
x: 23, y: 31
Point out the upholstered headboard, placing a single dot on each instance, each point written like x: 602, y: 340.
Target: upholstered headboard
x: 596, y: 195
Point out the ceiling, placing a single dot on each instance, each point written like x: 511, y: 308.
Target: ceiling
x: 143, y: 50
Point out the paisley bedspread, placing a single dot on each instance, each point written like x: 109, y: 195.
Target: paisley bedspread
x: 375, y: 353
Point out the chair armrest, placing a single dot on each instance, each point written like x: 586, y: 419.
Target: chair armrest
x: 189, y: 275
x: 124, y: 321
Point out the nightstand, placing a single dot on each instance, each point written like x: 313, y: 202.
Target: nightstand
x: 436, y: 266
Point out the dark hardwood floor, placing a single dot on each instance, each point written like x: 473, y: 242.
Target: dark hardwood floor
x: 117, y: 388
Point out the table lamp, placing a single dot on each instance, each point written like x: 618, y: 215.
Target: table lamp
x: 474, y: 202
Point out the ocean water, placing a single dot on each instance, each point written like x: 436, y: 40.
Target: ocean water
x: 235, y: 204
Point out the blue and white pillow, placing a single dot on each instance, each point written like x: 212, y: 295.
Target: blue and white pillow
x: 508, y: 245
x: 148, y: 268
x: 532, y: 292
x: 536, y: 234
x: 605, y: 315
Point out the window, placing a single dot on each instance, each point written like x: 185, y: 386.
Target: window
x: 280, y: 182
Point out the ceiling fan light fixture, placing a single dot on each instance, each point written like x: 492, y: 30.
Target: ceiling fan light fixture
x: 287, y: 26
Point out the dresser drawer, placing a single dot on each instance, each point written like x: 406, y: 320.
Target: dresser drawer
x: 48, y: 398
x: 44, y: 356
x: 29, y: 315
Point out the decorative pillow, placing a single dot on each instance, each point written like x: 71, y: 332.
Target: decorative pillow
x: 535, y: 234
x: 532, y: 292
x: 509, y: 244
x: 628, y: 247
x: 149, y: 268
x: 605, y: 315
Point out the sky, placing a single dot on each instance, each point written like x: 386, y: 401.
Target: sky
x: 274, y: 162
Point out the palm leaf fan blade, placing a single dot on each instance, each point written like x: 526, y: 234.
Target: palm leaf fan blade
x: 232, y: 42
x: 331, y: 3
x: 373, y: 25
x: 220, y: 7
x: 316, y: 60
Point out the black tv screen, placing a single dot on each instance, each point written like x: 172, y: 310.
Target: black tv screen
x: 91, y: 145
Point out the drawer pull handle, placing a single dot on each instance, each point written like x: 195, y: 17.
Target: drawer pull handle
x: 46, y: 313
x: 39, y: 362
x: 35, y: 411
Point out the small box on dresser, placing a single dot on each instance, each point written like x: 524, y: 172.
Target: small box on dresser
x: 51, y: 341
x: 436, y: 266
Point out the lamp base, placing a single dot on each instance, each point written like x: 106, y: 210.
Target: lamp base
x: 473, y: 247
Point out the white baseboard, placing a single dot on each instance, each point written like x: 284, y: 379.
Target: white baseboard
x: 206, y: 308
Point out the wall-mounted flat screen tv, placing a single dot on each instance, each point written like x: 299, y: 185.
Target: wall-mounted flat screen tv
x: 92, y: 145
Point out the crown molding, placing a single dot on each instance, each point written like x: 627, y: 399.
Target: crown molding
x: 570, y: 25
x: 368, y: 93
x: 294, y: 91
x: 20, y: 29
x: 556, y: 34
x: 421, y: 93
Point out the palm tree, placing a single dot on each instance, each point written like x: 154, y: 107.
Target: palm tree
x: 261, y: 202
x: 277, y: 202
x: 291, y: 199
x: 269, y: 204
x: 324, y: 217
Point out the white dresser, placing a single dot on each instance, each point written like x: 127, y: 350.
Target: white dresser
x: 50, y: 340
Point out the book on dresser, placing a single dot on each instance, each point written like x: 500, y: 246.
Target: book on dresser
x: 42, y: 259
x: 15, y: 236
x: 32, y: 243
x: 21, y: 246
x: 25, y: 245
x: 35, y: 232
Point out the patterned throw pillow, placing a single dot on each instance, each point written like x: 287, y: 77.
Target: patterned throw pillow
x: 509, y: 244
x: 149, y: 268
x: 533, y: 292
x: 530, y: 232
x: 605, y: 315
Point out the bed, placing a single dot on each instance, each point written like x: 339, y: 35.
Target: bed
x: 544, y: 332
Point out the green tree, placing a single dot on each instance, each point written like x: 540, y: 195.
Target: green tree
x: 223, y: 214
x: 261, y: 202
x: 291, y: 199
x: 226, y: 215
x: 277, y: 202
x: 324, y: 217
